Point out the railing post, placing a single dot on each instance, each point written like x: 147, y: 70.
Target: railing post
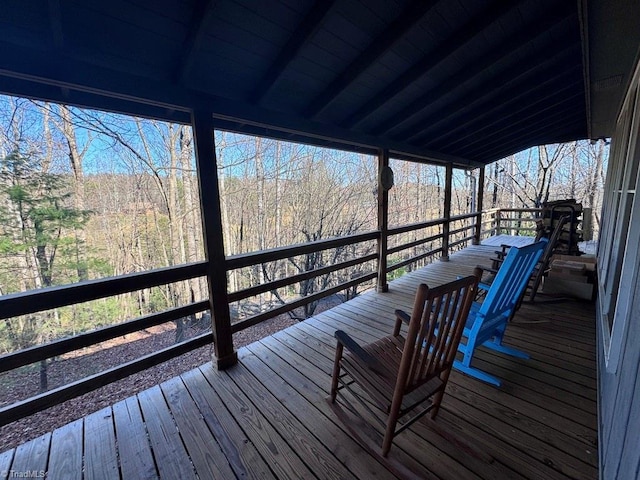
x: 446, y: 227
x: 206, y: 165
x: 498, y: 214
x: 479, y: 206
x: 383, y: 218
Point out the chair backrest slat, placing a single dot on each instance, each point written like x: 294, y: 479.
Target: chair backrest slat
x: 435, y: 329
x: 511, y: 279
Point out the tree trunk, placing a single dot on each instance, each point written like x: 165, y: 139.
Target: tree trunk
x: 75, y: 160
x: 260, y: 179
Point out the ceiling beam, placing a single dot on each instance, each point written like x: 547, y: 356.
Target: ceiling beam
x: 384, y: 42
x: 55, y: 20
x: 573, y: 127
x: 538, y: 27
x: 482, y: 100
x: 482, y: 117
x: 196, y: 32
x: 459, y: 38
x: 304, y: 32
x: 551, y: 112
x: 99, y: 87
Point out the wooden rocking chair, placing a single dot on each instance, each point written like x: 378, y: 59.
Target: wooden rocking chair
x: 396, y: 375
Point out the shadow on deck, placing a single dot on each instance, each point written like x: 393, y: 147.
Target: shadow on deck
x: 267, y: 417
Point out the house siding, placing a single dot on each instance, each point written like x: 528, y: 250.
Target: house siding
x: 619, y: 349
x: 619, y: 406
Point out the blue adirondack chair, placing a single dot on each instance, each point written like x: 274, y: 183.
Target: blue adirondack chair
x: 487, y: 321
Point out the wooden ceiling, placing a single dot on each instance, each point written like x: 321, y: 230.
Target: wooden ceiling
x: 466, y: 81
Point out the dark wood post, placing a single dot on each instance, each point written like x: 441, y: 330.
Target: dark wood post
x: 206, y: 165
x: 479, y: 207
x: 383, y: 220
x: 446, y: 227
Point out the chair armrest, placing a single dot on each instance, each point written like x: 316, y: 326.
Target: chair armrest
x: 353, y: 346
x: 401, y: 317
x: 404, y: 316
x: 487, y: 269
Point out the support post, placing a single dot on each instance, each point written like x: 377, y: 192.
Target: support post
x: 206, y: 165
x: 479, y: 206
x: 383, y: 221
x: 447, y: 212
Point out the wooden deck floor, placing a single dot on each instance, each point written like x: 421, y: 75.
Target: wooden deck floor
x: 267, y: 417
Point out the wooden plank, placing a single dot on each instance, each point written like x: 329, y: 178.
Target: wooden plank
x: 540, y: 391
x: 100, y: 456
x: 65, y: 456
x: 47, y: 298
x: 268, y: 416
x: 5, y: 463
x: 280, y: 455
x: 31, y: 457
x: 203, y: 449
x: 521, y: 428
x: 297, y: 431
x: 136, y: 459
x: 521, y: 401
x: 242, y: 455
x: 441, y: 462
x: 316, y: 394
x: 317, y: 414
x: 169, y: 453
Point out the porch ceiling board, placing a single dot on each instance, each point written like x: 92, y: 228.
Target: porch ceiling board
x: 267, y: 416
x: 376, y: 73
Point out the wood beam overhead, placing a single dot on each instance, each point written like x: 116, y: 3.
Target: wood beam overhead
x: 549, y: 108
x: 354, y: 74
x: 55, y: 19
x: 196, y: 33
x: 482, y: 100
x: 385, y: 41
x: 539, y: 26
x: 534, y: 126
x: 420, y: 69
x: 305, y: 31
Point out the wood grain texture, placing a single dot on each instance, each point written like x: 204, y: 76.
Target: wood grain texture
x: 268, y: 417
x: 65, y: 456
x: 136, y: 459
x: 100, y: 455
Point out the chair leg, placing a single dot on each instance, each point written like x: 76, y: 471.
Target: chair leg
x: 392, y: 420
x: 474, y: 372
x: 336, y: 372
x: 499, y: 347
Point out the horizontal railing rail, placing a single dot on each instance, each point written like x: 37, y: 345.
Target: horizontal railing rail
x: 282, y: 253
x: 26, y: 303
x: 33, y: 301
x: 413, y: 227
x: 258, y: 318
x: 256, y: 258
x: 58, y: 395
x: 37, y: 353
x: 490, y: 221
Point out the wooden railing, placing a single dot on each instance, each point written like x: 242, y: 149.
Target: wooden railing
x: 259, y: 258
x: 511, y: 221
x: 431, y: 239
x: 46, y: 299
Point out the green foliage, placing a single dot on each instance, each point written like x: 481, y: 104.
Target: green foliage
x: 36, y: 214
